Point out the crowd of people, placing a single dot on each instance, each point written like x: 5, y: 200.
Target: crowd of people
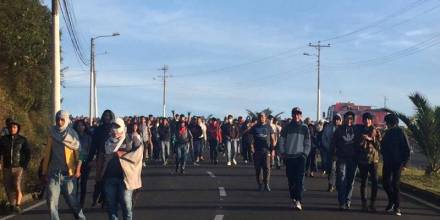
x: 118, y: 148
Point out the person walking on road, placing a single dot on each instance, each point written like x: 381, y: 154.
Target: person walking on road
x: 165, y: 140
x: 61, y: 157
x: 395, y: 153
x: 83, y: 168
x: 368, y: 160
x: 101, y: 134
x: 214, y: 139
x: 329, y: 162
x: 295, y: 145
x: 344, y: 145
x: 16, y: 154
x: 183, y: 141
x: 231, y: 137
x: 122, y: 169
x: 263, y: 142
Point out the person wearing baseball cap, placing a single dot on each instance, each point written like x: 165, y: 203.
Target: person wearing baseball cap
x: 295, y: 146
x: 329, y: 163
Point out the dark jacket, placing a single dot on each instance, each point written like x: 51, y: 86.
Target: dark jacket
x: 231, y: 131
x: 99, y: 137
x: 345, y: 142
x: 164, y: 133
x: 196, y: 132
x: 394, y: 147
x: 15, y: 151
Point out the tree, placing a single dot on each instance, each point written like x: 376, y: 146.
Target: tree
x: 424, y: 127
x: 267, y: 111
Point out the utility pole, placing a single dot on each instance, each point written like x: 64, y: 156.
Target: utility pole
x: 164, y: 78
x: 93, y: 99
x: 318, y: 104
x: 56, y: 75
x: 92, y: 81
x: 385, y: 99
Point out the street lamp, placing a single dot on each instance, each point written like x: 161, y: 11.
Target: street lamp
x: 93, y: 100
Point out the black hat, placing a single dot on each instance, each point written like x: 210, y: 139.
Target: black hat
x: 348, y: 114
x: 391, y: 119
x: 296, y: 110
x: 367, y: 115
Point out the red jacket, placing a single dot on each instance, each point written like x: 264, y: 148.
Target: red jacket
x: 214, y: 132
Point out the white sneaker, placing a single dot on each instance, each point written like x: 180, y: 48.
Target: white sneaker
x: 234, y: 161
x: 229, y: 163
x: 298, y: 206
x: 246, y: 162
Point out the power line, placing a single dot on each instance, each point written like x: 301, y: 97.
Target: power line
x: 378, y: 22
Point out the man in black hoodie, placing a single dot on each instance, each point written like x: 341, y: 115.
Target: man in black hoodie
x: 100, y: 136
x: 395, y: 152
x: 15, y: 151
x: 343, y: 147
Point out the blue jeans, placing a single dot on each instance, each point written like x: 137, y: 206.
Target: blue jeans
x: 198, y: 146
x: 295, y: 170
x: 165, y: 150
x: 345, y: 174
x: 116, y: 193
x: 231, y: 146
x: 181, y: 154
x: 60, y: 182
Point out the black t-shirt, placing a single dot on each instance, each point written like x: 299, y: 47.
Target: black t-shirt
x: 261, y: 134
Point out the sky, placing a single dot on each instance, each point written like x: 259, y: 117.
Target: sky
x: 228, y: 56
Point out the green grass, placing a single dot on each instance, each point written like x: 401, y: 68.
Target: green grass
x: 417, y: 178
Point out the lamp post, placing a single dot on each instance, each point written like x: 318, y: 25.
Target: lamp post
x: 93, y: 99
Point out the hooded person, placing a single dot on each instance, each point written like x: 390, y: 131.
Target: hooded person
x: 15, y: 151
x: 97, y: 150
x: 122, y: 170
x: 59, y: 165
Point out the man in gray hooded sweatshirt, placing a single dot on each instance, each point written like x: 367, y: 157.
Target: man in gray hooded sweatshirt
x: 295, y: 145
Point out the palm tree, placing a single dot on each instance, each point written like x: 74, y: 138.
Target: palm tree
x: 424, y: 127
x: 267, y: 111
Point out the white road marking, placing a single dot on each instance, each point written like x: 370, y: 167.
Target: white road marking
x: 426, y: 203
x: 211, y: 174
x: 219, y: 217
x: 222, y: 191
x: 25, y: 210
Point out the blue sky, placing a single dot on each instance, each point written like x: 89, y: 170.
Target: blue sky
x: 232, y: 55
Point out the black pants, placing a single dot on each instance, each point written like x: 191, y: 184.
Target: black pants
x: 391, y: 182
x: 83, y: 183
x: 213, y: 150
x: 295, y: 169
x: 311, y: 160
x: 246, y: 151
x: 364, y: 170
x: 262, y: 162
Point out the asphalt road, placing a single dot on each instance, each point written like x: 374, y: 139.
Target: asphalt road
x: 220, y: 192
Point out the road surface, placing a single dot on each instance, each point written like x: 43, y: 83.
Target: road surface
x: 220, y: 192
